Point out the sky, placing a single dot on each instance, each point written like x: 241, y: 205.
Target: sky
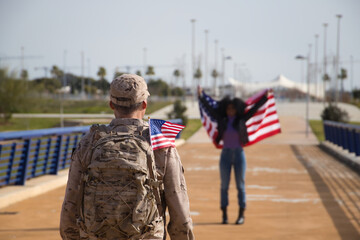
x: 262, y: 37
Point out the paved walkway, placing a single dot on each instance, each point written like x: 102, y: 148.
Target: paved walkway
x: 294, y: 191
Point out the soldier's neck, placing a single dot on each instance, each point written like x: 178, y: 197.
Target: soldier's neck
x: 136, y: 115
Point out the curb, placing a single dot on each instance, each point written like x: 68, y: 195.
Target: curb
x: 342, y: 155
x: 37, y: 186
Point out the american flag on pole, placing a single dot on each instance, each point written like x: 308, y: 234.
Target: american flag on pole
x: 263, y: 124
x: 163, y: 133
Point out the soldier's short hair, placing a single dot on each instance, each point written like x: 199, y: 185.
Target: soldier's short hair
x: 127, y: 110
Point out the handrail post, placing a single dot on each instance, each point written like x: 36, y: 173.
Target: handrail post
x: 24, y: 162
x: 345, y: 144
x: 58, y: 155
x: 357, y: 142
x: 350, y: 137
x: 11, y: 162
x: 36, y: 156
x: 66, y: 150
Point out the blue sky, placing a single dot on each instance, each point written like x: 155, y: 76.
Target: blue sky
x: 263, y: 36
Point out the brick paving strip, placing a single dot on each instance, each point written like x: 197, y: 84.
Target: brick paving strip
x: 294, y: 191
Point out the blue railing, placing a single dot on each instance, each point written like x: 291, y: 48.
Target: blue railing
x: 344, y: 135
x: 28, y: 154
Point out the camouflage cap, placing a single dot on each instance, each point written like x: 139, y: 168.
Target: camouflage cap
x: 128, y: 89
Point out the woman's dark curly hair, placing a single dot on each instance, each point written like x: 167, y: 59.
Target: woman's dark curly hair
x: 238, y: 104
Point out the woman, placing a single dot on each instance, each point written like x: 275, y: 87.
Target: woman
x: 231, y: 118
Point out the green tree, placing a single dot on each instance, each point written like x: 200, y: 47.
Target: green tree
x: 176, y: 75
x: 24, y: 74
x: 49, y: 85
x: 334, y: 113
x: 198, y: 74
x: 356, y: 94
x: 12, y: 94
x: 74, y: 82
x: 326, y: 78
x: 177, y: 91
x: 179, y: 112
x: 342, y: 76
x: 150, y: 71
x: 101, y: 73
x: 56, y: 72
x: 102, y: 84
x: 158, y: 87
x: 215, y: 75
x: 138, y: 72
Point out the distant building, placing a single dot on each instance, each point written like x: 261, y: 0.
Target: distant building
x: 282, y: 86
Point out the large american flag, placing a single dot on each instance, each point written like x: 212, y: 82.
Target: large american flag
x: 264, y: 123
x: 163, y: 133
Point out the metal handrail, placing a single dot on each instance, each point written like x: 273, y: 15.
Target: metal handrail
x: 28, y: 154
x: 346, y: 136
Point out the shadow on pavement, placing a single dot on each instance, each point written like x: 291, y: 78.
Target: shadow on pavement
x: 208, y: 224
x: 327, y: 190
x: 30, y: 230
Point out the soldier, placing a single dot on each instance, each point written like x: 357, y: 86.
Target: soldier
x: 98, y: 204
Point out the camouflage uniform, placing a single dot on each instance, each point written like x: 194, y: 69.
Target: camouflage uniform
x: 170, y: 171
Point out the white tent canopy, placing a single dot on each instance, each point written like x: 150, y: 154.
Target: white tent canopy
x: 281, y: 82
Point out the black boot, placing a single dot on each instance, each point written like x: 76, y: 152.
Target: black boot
x: 241, y: 217
x: 224, y: 216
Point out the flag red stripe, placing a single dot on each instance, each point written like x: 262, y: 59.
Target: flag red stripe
x: 262, y: 119
x: 263, y: 126
x: 261, y: 137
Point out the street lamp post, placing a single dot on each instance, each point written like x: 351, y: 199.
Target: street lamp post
x: 316, y: 65
x: 215, y: 67
x: 82, y: 76
x: 144, y: 61
x: 206, y: 58
x: 339, y: 16
x: 224, y: 58
x: 351, y: 76
x: 324, y: 71
x: 300, y: 57
x: 193, y: 55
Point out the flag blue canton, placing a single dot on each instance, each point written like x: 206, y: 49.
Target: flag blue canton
x: 155, y: 126
x: 213, y: 104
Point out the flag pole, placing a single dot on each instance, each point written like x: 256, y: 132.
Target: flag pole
x: 151, y: 144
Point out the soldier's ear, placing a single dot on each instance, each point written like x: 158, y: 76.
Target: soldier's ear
x: 111, y: 105
x: 144, y: 105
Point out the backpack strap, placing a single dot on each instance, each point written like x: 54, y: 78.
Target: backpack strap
x: 154, y: 183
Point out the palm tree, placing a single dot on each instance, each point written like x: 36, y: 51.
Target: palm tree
x: 150, y: 71
x: 176, y: 74
x: 56, y: 72
x: 342, y: 76
x: 326, y: 78
x: 198, y: 74
x: 24, y: 74
x: 214, y: 74
x: 101, y: 73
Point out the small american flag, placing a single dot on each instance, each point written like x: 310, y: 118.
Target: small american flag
x: 264, y: 123
x: 163, y: 133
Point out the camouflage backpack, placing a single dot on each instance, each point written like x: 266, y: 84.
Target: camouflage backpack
x: 120, y: 196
